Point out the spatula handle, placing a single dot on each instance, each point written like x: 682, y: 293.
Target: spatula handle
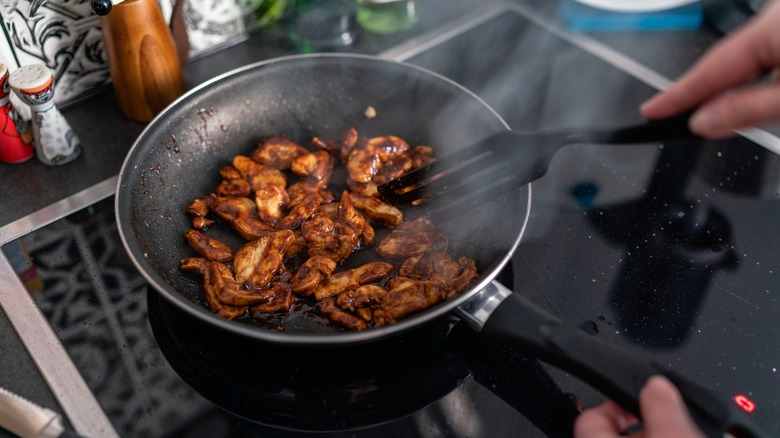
x: 616, y: 372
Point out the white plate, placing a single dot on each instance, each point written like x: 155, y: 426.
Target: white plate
x: 636, y: 5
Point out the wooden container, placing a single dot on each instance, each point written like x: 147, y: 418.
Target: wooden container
x: 142, y: 58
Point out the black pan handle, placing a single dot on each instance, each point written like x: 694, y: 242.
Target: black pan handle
x: 617, y: 373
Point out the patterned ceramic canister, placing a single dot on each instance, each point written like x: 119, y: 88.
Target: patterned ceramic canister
x: 15, y: 136
x: 55, y: 141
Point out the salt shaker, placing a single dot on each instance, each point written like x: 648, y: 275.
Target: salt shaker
x: 55, y: 141
x: 15, y: 138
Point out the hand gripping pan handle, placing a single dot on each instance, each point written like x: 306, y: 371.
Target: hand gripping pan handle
x: 619, y: 374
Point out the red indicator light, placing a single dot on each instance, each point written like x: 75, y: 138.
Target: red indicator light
x: 744, y: 403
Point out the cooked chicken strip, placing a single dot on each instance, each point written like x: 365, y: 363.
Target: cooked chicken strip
x: 282, y: 301
x: 393, y: 168
x: 329, y: 310
x: 229, y: 172
x: 311, y: 273
x: 365, y: 159
x: 241, y: 214
x: 234, y: 187
x: 365, y: 189
x: 353, y: 218
x: 259, y: 175
x: 412, y: 238
x: 208, y: 247
x: 201, y: 206
x: 316, y: 165
x: 201, y: 223
x: 211, y: 294
x: 278, y: 152
x: 405, y: 296
x: 377, y: 210
x: 301, y: 212
x: 352, y: 279
x: 230, y: 292
x: 270, y: 202
x: 364, y: 296
x: 258, y: 261
x: 197, y: 265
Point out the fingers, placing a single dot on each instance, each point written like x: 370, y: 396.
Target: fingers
x: 663, y: 412
x: 606, y: 420
x: 736, y: 61
x: 757, y: 105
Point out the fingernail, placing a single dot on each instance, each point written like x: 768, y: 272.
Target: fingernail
x: 704, y: 121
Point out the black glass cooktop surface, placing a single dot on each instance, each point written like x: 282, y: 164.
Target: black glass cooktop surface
x: 667, y: 249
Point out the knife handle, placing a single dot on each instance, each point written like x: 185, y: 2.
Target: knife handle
x: 617, y: 373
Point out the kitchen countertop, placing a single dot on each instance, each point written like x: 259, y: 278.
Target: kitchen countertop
x: 35, y: 195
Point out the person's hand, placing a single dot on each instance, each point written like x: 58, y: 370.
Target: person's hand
x: 663, y: 412
x: 723, y: 83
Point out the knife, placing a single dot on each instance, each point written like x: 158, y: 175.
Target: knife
x: 28, y: 420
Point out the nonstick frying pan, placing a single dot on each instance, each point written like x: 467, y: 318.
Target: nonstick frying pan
x: 177, y: 158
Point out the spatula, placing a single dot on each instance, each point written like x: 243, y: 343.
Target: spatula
x: 506, y: 161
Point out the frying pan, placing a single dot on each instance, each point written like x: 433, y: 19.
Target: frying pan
x: 177, y: 158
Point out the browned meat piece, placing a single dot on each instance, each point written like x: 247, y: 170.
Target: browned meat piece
x: 318, y: 230
x: 198, y: 265
x: 211, y: 292
x: 234, y: 187
x: 329, y: 210
x: 258, y: 261
x: 241, y: 214
x: 421, y: 156
x: 301, y: 212
x: 210, y: 248
x: 451, y: 276
x: 316, y: 165
x: 259, y: 175
x: 303, y: 189
x: 349, y: 139
x: 329, y: 239
x: 270, y: 202
x: 330, y: 146
x: 278, y: 152
x: 423, y: 266
x: 393, y: 168
x: 230, y: 292
x: 329, y: 310
x: 377, y: 210
x: 229, y: 172
x: 200, y: 207
x: 363, y: 164
x: 349, y: 216
x: 311, y: 273
x: 365, y: 296
x: 366, y: 158
x: 457, y: 276
x: 412, y: 238
x: 282, y: 301
x: 201, y: 223
x: 387, y: 147
x: 365, y: 189
x: 405, y: 296
x: 365, y: 313
x: 297, y: 245
x: 345, y: 280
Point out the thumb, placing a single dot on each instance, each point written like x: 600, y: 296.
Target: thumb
x: 663, y: 412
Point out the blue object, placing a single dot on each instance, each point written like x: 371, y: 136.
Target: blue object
x: 583, y: 17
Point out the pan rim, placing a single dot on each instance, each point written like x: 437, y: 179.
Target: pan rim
x: 346, y: 338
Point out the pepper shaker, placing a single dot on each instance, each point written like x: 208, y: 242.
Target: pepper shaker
x: 55, y: 141
x: 15, y: 138
x: 141, y: 55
